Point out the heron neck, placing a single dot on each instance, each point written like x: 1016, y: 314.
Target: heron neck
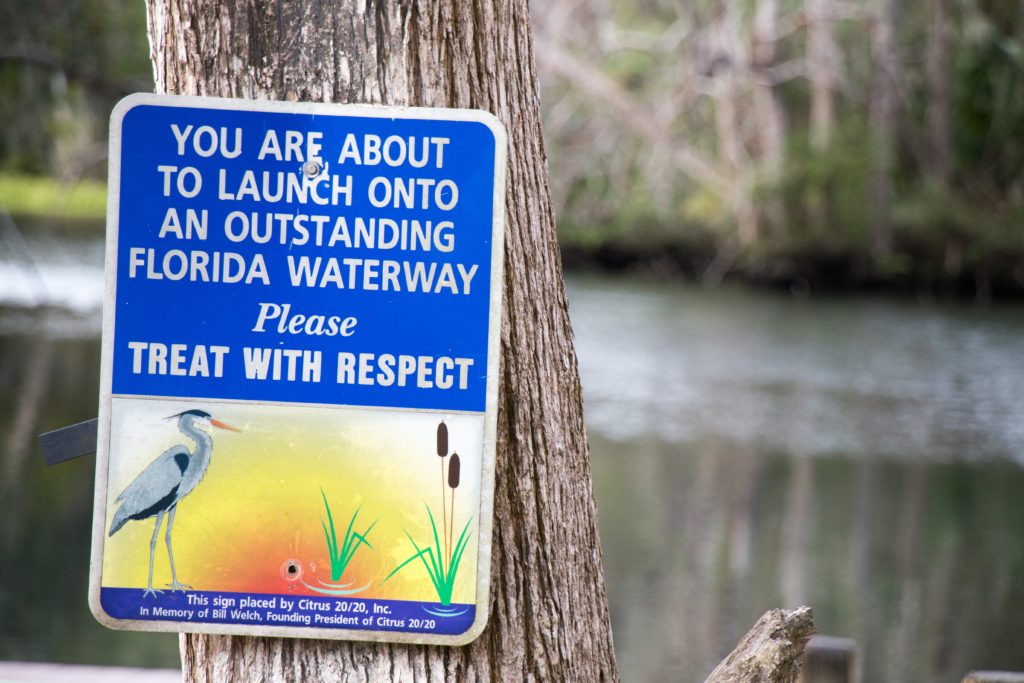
x: 199, y: 459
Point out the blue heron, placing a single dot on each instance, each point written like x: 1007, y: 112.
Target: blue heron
x: 164, y: 482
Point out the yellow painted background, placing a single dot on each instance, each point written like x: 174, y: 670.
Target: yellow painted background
x: 260, y: 505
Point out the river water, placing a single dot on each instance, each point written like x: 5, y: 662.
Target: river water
x: 750, y: 450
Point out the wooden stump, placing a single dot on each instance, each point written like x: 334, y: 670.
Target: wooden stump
x: 994, y: 677
x: 771, y: 652
x: 828, y: 659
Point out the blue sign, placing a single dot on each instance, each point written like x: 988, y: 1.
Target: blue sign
x: 304, y: 257
x: 299, y: 376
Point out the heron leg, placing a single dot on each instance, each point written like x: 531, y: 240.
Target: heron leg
x: 152, y: 553
x: 173, y: 585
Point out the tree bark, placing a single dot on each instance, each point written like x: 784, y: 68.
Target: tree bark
x: 548, y: 607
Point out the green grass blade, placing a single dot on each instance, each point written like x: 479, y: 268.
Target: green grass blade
x: 360, y: 540
x: 366, y: 533
x: 432, y: 567
x: 437, y: 542
x: 396, y: 569
x: 442, y: 578
x: 330, y: 519
x: 434, y: 579
x: 341, y: 556
x: 327, y: 536
x: 460, y: 547
x: 347, y: 541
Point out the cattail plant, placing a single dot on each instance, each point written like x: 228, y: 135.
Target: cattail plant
x: 454, y: 468
x: 442, y: 439
x: 453, y: 471
x: 442, y: 565
x: 442, y: 452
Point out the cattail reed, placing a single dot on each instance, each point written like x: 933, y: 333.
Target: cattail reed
x: 442, y: 451
x: 446, y: 552
x: 454, y: 470
x: 442, y: 439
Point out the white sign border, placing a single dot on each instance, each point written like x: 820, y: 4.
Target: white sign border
x: 493, y: 348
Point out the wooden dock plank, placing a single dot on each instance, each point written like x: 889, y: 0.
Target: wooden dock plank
x: 31, y: 672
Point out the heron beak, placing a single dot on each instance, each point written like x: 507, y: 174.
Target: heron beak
x: 224, y: 425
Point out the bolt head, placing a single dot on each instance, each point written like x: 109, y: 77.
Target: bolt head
x: 311, y: 168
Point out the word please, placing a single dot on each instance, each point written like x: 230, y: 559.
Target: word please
x: 316, y: 324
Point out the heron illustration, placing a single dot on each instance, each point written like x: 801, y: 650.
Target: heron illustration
x: 164, y: 482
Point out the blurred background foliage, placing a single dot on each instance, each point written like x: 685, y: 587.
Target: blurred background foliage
x: 63, y: 66
x: 807, y: 143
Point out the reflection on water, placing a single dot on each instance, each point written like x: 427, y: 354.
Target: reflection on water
x: 750, y: 450
x: 51, y: 290
x: 64, y: 273
x: 849, y: 376
x: 861, y: 456
x: 47, y: 520
x: 921, y: 563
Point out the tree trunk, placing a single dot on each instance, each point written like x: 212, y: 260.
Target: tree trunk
x: 769, y: 112
x: 725, y: 78
x: 548, y: 607
x: 882, y: 115
x: 771, y: 124
x: 822, y: 65
x: 937, y: 69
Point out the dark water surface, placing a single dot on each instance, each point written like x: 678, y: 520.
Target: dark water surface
x: 750, y: 450
x: 862, y: 456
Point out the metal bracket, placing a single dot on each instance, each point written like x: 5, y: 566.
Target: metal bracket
x: 69, y: 442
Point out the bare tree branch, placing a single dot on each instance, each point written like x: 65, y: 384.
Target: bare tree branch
x: 632, y: 115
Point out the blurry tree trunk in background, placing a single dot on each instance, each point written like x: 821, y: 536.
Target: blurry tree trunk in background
x: 939, y: 157
x: 882, y: 126
x: 771, y: 128
x: 823, y: 59
x: 728, y: 64
x: 905, y: 639
x: 822, y: 64
x: 938, y: 76
x: 768, y: 110
x: 730, y: 61
x: 548, y: 608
